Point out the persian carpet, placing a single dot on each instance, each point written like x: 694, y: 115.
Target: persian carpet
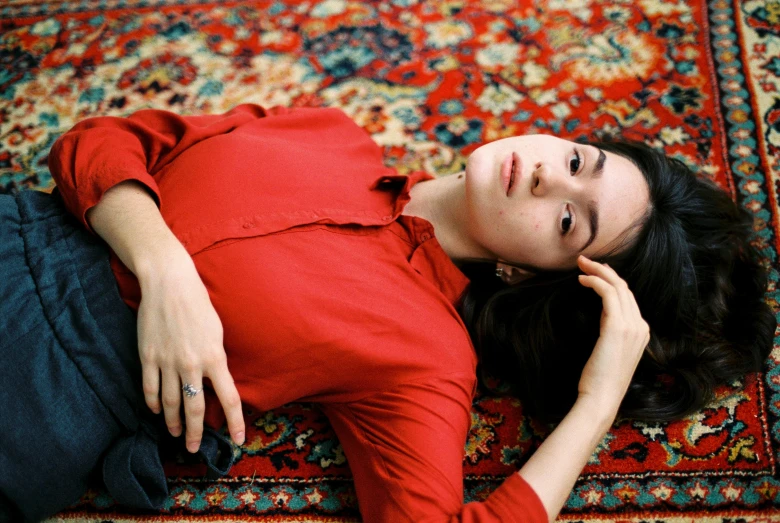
x: 432, y: 80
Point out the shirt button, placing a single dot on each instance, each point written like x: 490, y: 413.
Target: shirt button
x: 386, y: 218
x: 425, y: 236
x: 248, y: 225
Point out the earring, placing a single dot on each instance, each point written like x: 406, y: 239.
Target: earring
x: 499, y: 272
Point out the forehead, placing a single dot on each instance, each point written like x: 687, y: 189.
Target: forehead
x: 622, y: 197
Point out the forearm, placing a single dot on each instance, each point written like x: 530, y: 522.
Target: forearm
x: 128, y: 219
x: 556, y: 465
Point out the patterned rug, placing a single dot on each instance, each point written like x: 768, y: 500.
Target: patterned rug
x: 431, y: 81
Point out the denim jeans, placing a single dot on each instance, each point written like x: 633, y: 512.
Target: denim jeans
x: 71, y: 405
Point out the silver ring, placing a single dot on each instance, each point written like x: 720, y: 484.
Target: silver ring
x: 190, y: 391
x: 499, y: 272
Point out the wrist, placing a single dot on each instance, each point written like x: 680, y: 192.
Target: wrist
x: 161, y: 260
x: 602, y: 411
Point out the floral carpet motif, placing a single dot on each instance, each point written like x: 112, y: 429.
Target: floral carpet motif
x: 431, y: 81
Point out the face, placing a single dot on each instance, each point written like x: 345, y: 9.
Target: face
x: 560, y: 194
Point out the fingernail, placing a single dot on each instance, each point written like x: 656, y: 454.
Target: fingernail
x: 193, y: 446
x: 239, y: 438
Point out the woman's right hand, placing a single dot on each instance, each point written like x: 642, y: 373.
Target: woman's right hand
x: 624, y: 335
x: 553, y: 469
x: 179, y: 342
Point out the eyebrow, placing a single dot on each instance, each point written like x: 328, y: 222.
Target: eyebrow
x: 593, y: 210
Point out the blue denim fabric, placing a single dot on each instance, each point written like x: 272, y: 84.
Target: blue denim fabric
x: 71, y: 405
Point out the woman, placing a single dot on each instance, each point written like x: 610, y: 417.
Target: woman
x: 274, y: 243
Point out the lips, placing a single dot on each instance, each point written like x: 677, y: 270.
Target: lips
x: 511, y: 171
x: 506, y: 173
x: 512, y: 178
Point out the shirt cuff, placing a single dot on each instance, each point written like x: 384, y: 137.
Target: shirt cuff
x: 516, y: 501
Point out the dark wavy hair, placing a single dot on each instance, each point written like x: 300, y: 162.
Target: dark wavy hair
x: 697, y: 279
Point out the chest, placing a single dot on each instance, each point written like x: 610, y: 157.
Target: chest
x: 344, y: 300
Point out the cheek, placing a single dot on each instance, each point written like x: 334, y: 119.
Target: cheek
x: 533, y: 222
x: 525, y: 221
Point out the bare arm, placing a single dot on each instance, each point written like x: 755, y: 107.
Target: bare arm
x: 557, y: 463
x: 128, y: 219
x: 555, y: 466
x: 179, y: 332
x: 105, y: 169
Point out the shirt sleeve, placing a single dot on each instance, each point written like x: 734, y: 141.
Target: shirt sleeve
x: 405, y: 449
x: 100, y: 152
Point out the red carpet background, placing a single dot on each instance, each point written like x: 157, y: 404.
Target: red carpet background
x: 431, y: 81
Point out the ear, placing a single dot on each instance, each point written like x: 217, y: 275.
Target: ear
x: 512, y: 275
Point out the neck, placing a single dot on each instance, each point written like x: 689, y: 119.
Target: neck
x: 442, y: 201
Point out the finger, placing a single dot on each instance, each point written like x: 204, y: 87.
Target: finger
x: 171, y: 399
x: 613, y: 307
x: 228, y: 396
x: 194, y: 409
x: 150, y: 377
x: 625, y: 296
x: 608, y: 293
x: 603, y: 270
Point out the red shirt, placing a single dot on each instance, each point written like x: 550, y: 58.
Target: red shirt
x: 326, y: 292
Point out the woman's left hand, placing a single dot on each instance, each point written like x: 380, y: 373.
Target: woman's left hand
x: 180, y: 341
x: 623, y: 338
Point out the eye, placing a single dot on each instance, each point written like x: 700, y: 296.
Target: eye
x: 567, y: 220
x: 575, y: 162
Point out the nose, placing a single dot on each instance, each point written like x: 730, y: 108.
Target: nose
x: 547, y: 180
